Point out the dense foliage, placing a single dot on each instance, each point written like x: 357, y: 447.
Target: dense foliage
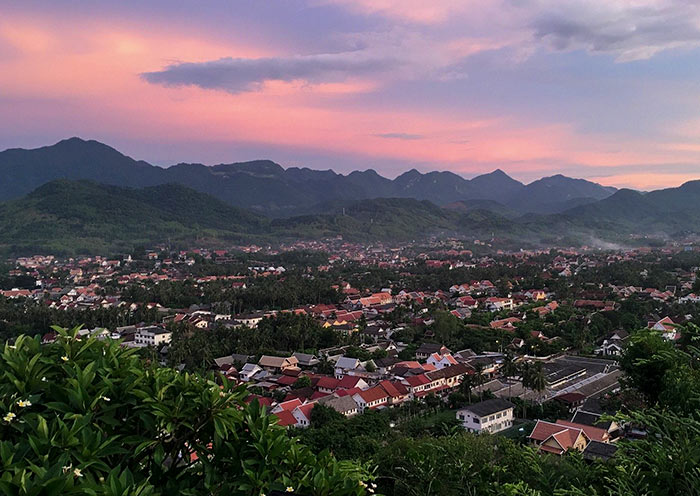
x: 280, y: 335
x: 88, y: 417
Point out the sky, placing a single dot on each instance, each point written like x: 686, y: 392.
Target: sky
x: 607, y: 90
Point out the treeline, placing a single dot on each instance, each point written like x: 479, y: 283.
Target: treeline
x: 23, y: 316
x: 261, y: 293
x: 281, y: 335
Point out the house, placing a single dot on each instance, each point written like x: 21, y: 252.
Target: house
x: 327, y: 384
x: 571, y: 400
x: 495, y: 304
x: 303, y: 414
x: 277, y: 364
x: 427, y: 349
x: 466, y: 302
x: 491, y: 416
x: 592, y: 432
x: 345, y: 364
x: 375, y: 332
x: 251, y: 320
x: 441, y: 361
x: 691, y: 298
x: 461, y: 313
x: 594, y: 419
x: 345, y: 405
x: 558, y: 439
x: 152, y: 336
x: 450, y: 377
x: 248, y: 371
x: 536, y: 294
x: 506, y: 324
x: 223, y: 361
x: 614, y: 344
x: 386, y: 365
x: 288, y: 405
x: 351, y: 382
x: 371, y: 398
x: 306, y: 360
x: 599, y: 451
x: 667, y: 327
x: 285, y: 418
x: 418, y: 385
x: 398, y: 393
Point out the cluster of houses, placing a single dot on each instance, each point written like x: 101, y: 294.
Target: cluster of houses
x: 355, y: 385
x: 585, y: 431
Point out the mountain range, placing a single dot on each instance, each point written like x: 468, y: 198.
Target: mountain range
x: 85, y: 197
x: 268, y: 188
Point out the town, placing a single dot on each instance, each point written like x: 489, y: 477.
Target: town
x: 524, y: 344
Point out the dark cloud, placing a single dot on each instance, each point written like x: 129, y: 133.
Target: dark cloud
x: 237, y: 75
x: 401, y: 136
x: 630, y: 32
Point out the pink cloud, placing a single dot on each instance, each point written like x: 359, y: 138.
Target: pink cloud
x: 83, y: 78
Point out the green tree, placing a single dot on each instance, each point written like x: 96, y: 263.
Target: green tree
x: 647, y: 358
x: 87, y: 417
x: 302, y: 382
x: 322, y: 415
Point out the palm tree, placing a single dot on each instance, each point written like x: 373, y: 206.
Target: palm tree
x: 509, y: 370
x: 468, y: 382
x: 479, y: 378
x: 526, y: 374
x: 538, y: 380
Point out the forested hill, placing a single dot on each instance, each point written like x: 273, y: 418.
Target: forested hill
x: 84, y: 217
x: 267, y: 187
x: 72, y: 217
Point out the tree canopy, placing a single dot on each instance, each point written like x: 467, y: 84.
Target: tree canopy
x: 89, y: 417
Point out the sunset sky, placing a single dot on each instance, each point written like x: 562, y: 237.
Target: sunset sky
x: 608, y: 90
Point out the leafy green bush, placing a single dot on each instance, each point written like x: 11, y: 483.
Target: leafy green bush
x: 89, y: 417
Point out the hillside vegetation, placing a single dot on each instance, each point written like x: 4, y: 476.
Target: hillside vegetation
x: 92, y: 418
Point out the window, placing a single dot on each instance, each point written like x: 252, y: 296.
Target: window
x: 476, y: 420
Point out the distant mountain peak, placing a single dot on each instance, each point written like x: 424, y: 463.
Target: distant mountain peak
x: 268, y: 187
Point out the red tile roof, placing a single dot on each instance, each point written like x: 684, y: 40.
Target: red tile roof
x: 347, y: 392
x: 306, y: 409
x: 593, y: 433
x: 290, y: 405
x: 373, y: 394
x: 285, y: 418
x: 348, y: 382
x: 417, y: 380
x: 327, y: 383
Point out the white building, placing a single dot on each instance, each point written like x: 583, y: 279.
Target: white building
x: 152, y: 336
x: 490, y: 416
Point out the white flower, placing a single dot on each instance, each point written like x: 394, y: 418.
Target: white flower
x: 363, y: 483
x: 44, y: 379
x: 289, y: 489
x: 64, y: 358
x: 77, y: 473
x: 24, y: 404
x: 105, y: 398
x: 9, y: 417
x: 66, y: 468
